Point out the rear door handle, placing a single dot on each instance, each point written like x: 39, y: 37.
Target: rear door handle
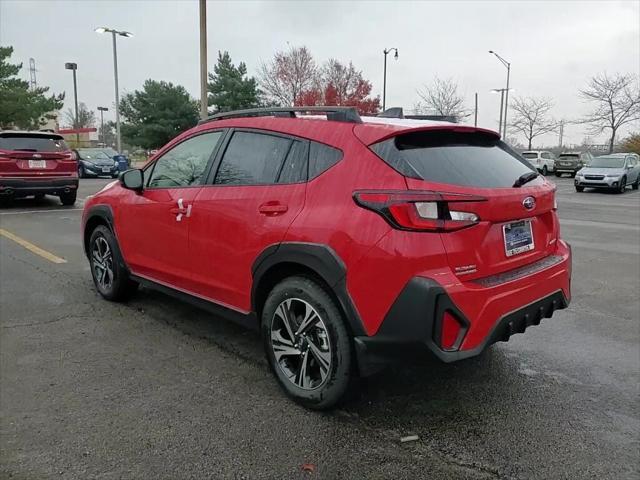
x: 272, y: 209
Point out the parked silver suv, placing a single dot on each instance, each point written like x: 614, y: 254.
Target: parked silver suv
x: 614, y: 171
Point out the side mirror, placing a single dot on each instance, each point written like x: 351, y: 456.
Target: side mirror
x: 132, y: 179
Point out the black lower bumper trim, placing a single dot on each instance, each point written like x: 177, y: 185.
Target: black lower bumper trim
x: 413, y: 323
x: 52, y: 186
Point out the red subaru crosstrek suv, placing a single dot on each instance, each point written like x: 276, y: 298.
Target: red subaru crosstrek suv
x: 38, y: 164
x: 347, y: 241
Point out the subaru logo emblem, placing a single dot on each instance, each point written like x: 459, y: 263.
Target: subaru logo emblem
x: 36, y: 155
x: 529, y: 203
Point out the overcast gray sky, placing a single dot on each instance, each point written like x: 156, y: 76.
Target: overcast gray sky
x: 554, y: 46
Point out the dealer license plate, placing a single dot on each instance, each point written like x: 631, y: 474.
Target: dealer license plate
x: 518, y: 237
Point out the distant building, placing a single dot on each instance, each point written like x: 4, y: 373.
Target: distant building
x: 81, y: 137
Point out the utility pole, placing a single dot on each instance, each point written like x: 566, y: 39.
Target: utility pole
x: 475, y: 116
x: 561, y: 133
x: 203, y: 60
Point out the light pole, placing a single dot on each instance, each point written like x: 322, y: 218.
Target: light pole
x: 506, y: 99
x: 203, y: 60
x: 102, y: 110
x: 115, y: 75
x: 386, y: 52
x: 73, y: 67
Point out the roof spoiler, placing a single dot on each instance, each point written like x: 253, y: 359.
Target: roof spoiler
x: 335, y: 114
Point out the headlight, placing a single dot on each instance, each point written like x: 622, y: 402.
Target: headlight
x: 613, y: 175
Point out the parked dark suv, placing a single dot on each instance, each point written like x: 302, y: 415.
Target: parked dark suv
x: 37, y: 163
x: 347, y: 241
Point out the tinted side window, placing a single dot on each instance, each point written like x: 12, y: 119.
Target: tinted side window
x: 294, y: 169
x: 252, y: 159
x: 185, y: 163
x: 321, y: 158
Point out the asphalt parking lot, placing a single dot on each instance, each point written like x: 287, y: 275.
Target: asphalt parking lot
x: 158, y: 389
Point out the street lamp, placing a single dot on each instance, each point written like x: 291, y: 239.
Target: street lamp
x: 386, y: 51
x: 115, y: 74
x: 102, y: 110
x: 506, y: 98
x: 73, y: 67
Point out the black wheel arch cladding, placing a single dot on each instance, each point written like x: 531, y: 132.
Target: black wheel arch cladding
x: 319, y: 258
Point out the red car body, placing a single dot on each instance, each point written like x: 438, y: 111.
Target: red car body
x: 37, y: 163
x: 441, y: 285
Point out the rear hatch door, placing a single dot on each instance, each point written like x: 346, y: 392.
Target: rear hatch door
x: 516, y: 225
x: 34, y: 155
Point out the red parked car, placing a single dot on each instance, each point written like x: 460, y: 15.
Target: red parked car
x: 37, y: 163
x: 347, y: 241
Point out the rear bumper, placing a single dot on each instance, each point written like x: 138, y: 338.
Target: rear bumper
x: 490, y: 311
x: 567, y: 169
x: 29, y: 186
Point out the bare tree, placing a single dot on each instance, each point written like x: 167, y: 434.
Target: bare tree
x: 288, y: 75
x: 616, y: 102
x: 86, y: 117
x: 532, y: 117
x: 442, y: 97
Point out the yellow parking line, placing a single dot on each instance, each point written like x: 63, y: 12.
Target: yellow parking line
x: 31, y: 247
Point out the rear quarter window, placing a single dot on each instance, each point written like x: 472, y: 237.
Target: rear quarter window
x: 33, y: 143
x: 321, y: 158
x: 473, y: 159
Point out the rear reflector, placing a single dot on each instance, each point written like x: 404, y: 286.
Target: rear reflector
x: 420, y: 210
x: 451, y: 329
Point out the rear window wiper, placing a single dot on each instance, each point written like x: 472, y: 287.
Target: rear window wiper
x: 525, y: 178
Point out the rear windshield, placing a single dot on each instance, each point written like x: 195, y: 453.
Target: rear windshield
x: 469, y: 159
x: 33, y: 143
x: 530, y: 155
x: 570, y: 156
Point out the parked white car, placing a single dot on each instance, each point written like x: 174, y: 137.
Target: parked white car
x: 544, y: 161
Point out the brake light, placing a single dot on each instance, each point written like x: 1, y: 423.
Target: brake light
x: 450, y: 332
x: 420, y: 210
x: 5, y: 155
x: 69, y: 156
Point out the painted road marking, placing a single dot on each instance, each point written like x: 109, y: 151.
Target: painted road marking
x: 53, y: 210
x: 31, y: 247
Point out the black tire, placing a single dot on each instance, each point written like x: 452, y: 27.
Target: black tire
x: 328, y: 336
x: 636, y: 184
x: 81, y: 172
x: 115, y: 175
x: 623, y: 185
x: 545, y: 170
x: 116, y: 286
x: 558, y: 174
x: 39, y: 197
x: 68, y: 199
x: 579, y: 189
x: 573, y: 175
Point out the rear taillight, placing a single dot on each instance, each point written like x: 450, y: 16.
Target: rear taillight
x: 420, y: 210
x: 69, y: 156
x: 5, y: 156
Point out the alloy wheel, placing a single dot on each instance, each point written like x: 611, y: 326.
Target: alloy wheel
x: 300, y: 344
x: 102, y: 258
